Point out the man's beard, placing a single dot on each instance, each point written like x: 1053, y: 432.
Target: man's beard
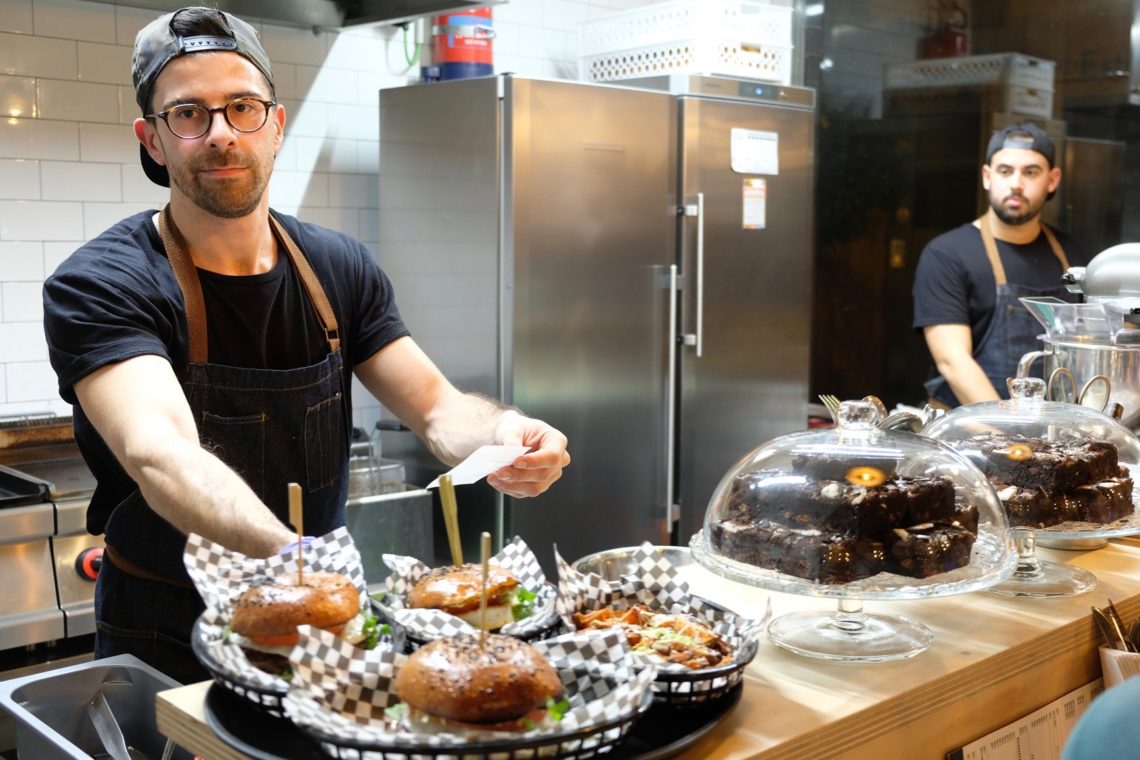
x: 1014, y: 219
x: 225, y: 198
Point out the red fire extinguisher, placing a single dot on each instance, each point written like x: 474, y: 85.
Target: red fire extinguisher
x: 462, y: 44
x: 949, y: 39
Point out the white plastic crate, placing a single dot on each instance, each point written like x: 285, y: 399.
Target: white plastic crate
x: 998, y: 68
x: 732, y: 37
x: 1028, y: 101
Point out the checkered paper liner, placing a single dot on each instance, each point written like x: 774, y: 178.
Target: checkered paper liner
x: 428, y: 624
x: 221, y: 575
x: 655, y: 583
x: 339, y: 695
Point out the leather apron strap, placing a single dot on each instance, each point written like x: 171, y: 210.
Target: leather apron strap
x: 990, y: 244
x: 187, y: 276
x: 317, y: 296
x: 188, y: 283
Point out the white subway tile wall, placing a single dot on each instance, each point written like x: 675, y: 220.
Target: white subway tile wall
x: 69, y: 160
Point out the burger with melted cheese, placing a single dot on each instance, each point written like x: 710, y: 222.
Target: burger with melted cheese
x: 506, y: 684
x: 457, y: 591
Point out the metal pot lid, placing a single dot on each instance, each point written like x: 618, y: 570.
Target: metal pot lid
x: 1114, y: 273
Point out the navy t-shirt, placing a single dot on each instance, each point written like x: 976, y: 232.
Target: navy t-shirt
x: 954, y: 283
x: 116, y: 298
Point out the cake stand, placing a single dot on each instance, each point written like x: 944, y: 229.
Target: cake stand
x: 855, y: 513
x: 850, y: 633
x: 1027, y: 413
x: 1040, y: 578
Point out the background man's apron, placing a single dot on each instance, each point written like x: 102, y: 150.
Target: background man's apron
x: 1012, y: 331
x: 272, y: 427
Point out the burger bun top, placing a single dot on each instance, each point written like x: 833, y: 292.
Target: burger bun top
x: 456, y: 679
x: 323, y: 600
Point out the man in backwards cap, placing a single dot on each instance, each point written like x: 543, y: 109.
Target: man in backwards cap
x: 207, y: 348
x: 969, y: 279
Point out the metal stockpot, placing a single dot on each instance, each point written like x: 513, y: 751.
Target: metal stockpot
x: 1086, y: 359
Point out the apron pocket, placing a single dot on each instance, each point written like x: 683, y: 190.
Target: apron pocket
x: 324, y: 440
x: 240, y: 443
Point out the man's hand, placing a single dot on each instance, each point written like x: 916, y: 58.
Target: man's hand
x: 454, y: 424
x: 535, y: 471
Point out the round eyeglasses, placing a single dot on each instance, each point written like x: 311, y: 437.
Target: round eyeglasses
x: 191, y: 120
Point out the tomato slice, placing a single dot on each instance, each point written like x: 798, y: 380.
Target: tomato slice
x: 290, y: 639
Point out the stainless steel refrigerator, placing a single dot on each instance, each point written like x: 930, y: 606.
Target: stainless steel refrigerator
x: 630, y: 263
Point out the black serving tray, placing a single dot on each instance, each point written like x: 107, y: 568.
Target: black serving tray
x: 661, y: 733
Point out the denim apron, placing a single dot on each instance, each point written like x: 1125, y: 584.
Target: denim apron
x: 1012, y: 331
x: 271, y: 426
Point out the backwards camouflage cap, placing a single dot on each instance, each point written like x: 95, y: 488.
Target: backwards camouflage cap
x: 157, y: 44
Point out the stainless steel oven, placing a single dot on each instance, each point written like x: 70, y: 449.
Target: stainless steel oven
x: 47, y: 558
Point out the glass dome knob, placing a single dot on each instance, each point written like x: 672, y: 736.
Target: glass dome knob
x: 857, y: 415
x: 1026, y: 388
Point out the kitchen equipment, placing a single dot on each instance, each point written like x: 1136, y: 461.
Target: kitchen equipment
x: 1044, y: 485
x: 51, y: 709
x: 611, y: 260
x: 855, y: 512
x: 43, y: 539
x: 1095, y: 393
x: 383, y: 512
x: 107, y: 728
x: 1112, y: 637
x: 1100, y: 336
x: 1086, y: 359
x: 1062, y: 383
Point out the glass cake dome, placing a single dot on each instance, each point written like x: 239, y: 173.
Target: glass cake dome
x: 1062, y: 471
x: 856, y: 512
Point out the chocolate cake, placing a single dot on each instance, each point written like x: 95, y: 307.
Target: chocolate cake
x: 1029, y: 507
x: 795, y: 501
x: 1044, y: 483
x: 833, y: 531
x: 1055, y: 466
x: 921, y: 551
x: 827, y: 557
x: 1103, y: 502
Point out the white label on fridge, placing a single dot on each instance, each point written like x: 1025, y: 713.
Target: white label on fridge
x: 755, y: 152
x: 755, y: 203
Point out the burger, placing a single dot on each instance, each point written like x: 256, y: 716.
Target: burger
x: 266, y: 616
x: 505, y: 684
x: 458, y: 590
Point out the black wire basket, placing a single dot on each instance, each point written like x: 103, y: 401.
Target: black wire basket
x: 699, y: 687
x: 268, y: 698
x: 584, y: 743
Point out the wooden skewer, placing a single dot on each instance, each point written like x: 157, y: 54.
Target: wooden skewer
x: 451, y: 518
x: 296, y: 516
x: 485, y: 555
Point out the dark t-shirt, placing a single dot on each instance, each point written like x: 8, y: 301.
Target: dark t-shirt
x: 116, y: 298
x: 954, y: 282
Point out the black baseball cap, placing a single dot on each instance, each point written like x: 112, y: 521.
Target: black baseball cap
x: 157, y: 44
x: 1025, y: 136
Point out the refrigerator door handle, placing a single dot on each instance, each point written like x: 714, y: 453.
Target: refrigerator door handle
x: 698, y: 210
x: 672, y: 512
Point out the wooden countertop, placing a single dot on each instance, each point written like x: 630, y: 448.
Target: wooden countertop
x: 994, y: 659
